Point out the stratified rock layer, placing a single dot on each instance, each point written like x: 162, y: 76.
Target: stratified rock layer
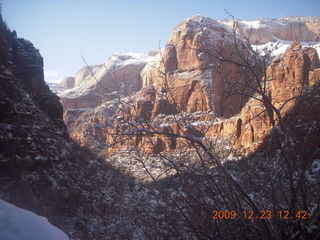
x: 264, y: 30
x: 67, y: 82
x: 121, y: 73
x: 193, y: 75
x: 191, y: 68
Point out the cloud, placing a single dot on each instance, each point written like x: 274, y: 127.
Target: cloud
x: 51, y: 76
x: 50, y: 73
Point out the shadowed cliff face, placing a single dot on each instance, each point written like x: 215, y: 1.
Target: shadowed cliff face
x: 30, y: 111
x: 41, y: 168
x: 21, y: 60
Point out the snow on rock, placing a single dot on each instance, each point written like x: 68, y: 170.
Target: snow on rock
x: 279, y: 47
x: 84, y: 74
x: 193, y: 73
x: 67, y: 82
x: 20, y: 224
x: 120, y: 73
x: 151, y: 68
x: 55, y: 88
x: 120, y: 68
x: 262, y: 31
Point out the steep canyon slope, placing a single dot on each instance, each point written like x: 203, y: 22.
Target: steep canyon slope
x: 41, y: 168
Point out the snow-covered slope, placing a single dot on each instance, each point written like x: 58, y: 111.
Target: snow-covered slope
x: 261, y: 31
x: 279, y: 46
x: 84, y: 74
x: 55, y: 87
x: 20, y: 224
x: 121, y: 70
x: 121, y: 73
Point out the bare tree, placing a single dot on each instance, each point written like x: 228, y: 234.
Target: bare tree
x: 200, y: 182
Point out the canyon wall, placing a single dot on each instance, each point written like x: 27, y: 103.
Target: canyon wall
x: 201, y: 77
x: 264, y: 30
x: 41, y: 168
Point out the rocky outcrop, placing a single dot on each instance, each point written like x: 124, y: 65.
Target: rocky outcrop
x: 290, y: 77
x: 292, y: 74
x: 264, y: 30
x: 121, y: 73
x: 84, y: 74
x: 29, y: 70
x: 67, y: 82
x: 193, y: 77
x: 190, y: 49
x: 191, y: 68
x: 181, y: 78
x: 41, y: 168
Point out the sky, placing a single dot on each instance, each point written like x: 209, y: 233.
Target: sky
x: 63, y: 30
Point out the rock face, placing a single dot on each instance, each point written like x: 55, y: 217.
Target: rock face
x: 289, y: 78
x: 120, y: 73
x: 181, y: 55
x: 67, y: 82
x: 289, y: 28
x: 84, y: 74
x: 192, y: 69
x: 41, y: 168
x: 192, y: 78
x: 29, y: 70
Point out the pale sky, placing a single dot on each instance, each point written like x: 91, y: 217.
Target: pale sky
x: 63, y: 30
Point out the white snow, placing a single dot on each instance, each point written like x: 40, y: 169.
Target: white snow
x: 84, y: 74
x: 55, y: 87
x: 316, y: 166
x: 205, y: 30
x: 20, y: 224
x: 115, y: 63
x: 279, y: 46
x: 263, y: 23
x: 253, y: 24
x: 199, y: 23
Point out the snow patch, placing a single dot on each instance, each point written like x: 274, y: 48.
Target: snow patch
x: 116, y: 62
x: 17, y: 223
x: 279, y: 47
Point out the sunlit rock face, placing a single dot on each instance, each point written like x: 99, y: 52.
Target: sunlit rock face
x: 67, y: 82
x: 264, y: 30
x: 290, y: 75
x: 121, y: 73
x: 193, y: 74
x: 190, y: 65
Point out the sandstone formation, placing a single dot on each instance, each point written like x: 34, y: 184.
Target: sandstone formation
x: 67, y: 82
x: 198, y: 77
x: 190, y: 67
x: 84, y: 74
x: 43, y: 170
x: 261, y: 31
x: 289, y: 78
x: 120, y: 73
